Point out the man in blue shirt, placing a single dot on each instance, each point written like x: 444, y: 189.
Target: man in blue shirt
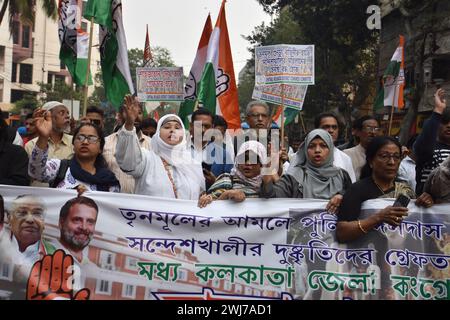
x: 208, y: 146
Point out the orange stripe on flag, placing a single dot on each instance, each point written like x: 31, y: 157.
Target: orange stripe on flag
x: 228, y: 101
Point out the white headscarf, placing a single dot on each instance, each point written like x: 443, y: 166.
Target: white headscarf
x: 257, y: 148
x: 179, y: 157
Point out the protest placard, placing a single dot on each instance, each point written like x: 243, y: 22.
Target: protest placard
x: 160, y: 84
x: 284, y: 64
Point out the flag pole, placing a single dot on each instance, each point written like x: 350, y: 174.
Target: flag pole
x: 392, y: 113
x: 282, y: 115
x: 86, y: 84
x: 302, y: 122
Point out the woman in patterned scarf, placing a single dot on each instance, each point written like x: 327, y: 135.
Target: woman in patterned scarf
x: 245, y: 178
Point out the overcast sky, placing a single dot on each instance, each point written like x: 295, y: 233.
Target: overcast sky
x: 177, y: 26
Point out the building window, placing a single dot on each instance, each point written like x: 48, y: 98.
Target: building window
x: 131, y: 263
x: 17, y: 95
x: 32, y: 47
x: 26, y: 73
x: 227, y: 285
x: 182, y: 275
x: 216, y: 283
x: 440, y: 69
x: 14, y: 72
x: 107, y: 260
x: 50, y: 78
x: 26, y: 36
x: 15, y: 32
x: 103, y: 287
x: 6, y: 271
x: 1, y: 89
x: 60, y: 79
x: 128, y: 291
x: 62, y: 66
x: 2, y: 58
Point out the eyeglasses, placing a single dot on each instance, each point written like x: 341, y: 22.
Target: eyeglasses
x: 91, y: 139
x: 385, y: 157
x: 330, y: 126
x: 22, y: 213
x: 371, y: 129
x: 257, y: 115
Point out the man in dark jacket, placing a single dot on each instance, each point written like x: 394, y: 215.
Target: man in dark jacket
x: 13, y: 160
x: 432, y: 146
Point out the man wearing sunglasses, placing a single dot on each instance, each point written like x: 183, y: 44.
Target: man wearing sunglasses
x: 328, y: 121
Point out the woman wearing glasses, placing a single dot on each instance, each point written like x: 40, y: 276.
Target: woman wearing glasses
x: 86, y: 170
x: 377, y: 181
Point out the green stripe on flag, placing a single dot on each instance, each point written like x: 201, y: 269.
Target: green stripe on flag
x: 186, y: 109
x: 393, y: 69
x: 100, y: 10
x: 207, y: 90
x: 77, y: 67
x: 289, y: 115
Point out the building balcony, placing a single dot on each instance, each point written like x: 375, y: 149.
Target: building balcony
x: 21, y: 53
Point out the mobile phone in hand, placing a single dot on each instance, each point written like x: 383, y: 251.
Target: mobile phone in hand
x: 401, y: 201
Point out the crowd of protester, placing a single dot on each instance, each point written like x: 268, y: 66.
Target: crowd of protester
x: 206, y: 163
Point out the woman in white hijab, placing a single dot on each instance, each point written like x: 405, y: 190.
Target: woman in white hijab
x: 167, y: 170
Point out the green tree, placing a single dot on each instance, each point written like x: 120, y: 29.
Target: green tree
x: 58, y: 92
x: 26, y: 10
x: 29, y: 101
x: 161, y: 58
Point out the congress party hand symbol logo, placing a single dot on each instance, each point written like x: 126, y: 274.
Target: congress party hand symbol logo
x: 52, y: 278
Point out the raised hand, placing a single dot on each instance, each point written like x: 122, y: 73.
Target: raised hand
x: 440, y: 103
x: 43, y: 122
x: 132, y: 110
x: 52, y: 278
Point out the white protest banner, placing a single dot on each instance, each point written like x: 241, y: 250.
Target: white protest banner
x: 284, y: 64
x: 121, y: 246
x: 160, y: 83
x: 294, y: 95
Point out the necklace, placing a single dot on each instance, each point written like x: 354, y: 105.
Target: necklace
x: 382, y: 191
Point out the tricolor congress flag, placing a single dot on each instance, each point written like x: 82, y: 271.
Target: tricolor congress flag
x: 391, y: 93
x: 113, y: 50
x: 191, y: 86
x: 74, y: 41
x: 218, y: 91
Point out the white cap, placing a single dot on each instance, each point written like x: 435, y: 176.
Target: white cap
x: 52, y: 104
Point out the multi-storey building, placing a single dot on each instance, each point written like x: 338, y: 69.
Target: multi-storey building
x: 31, y: 55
